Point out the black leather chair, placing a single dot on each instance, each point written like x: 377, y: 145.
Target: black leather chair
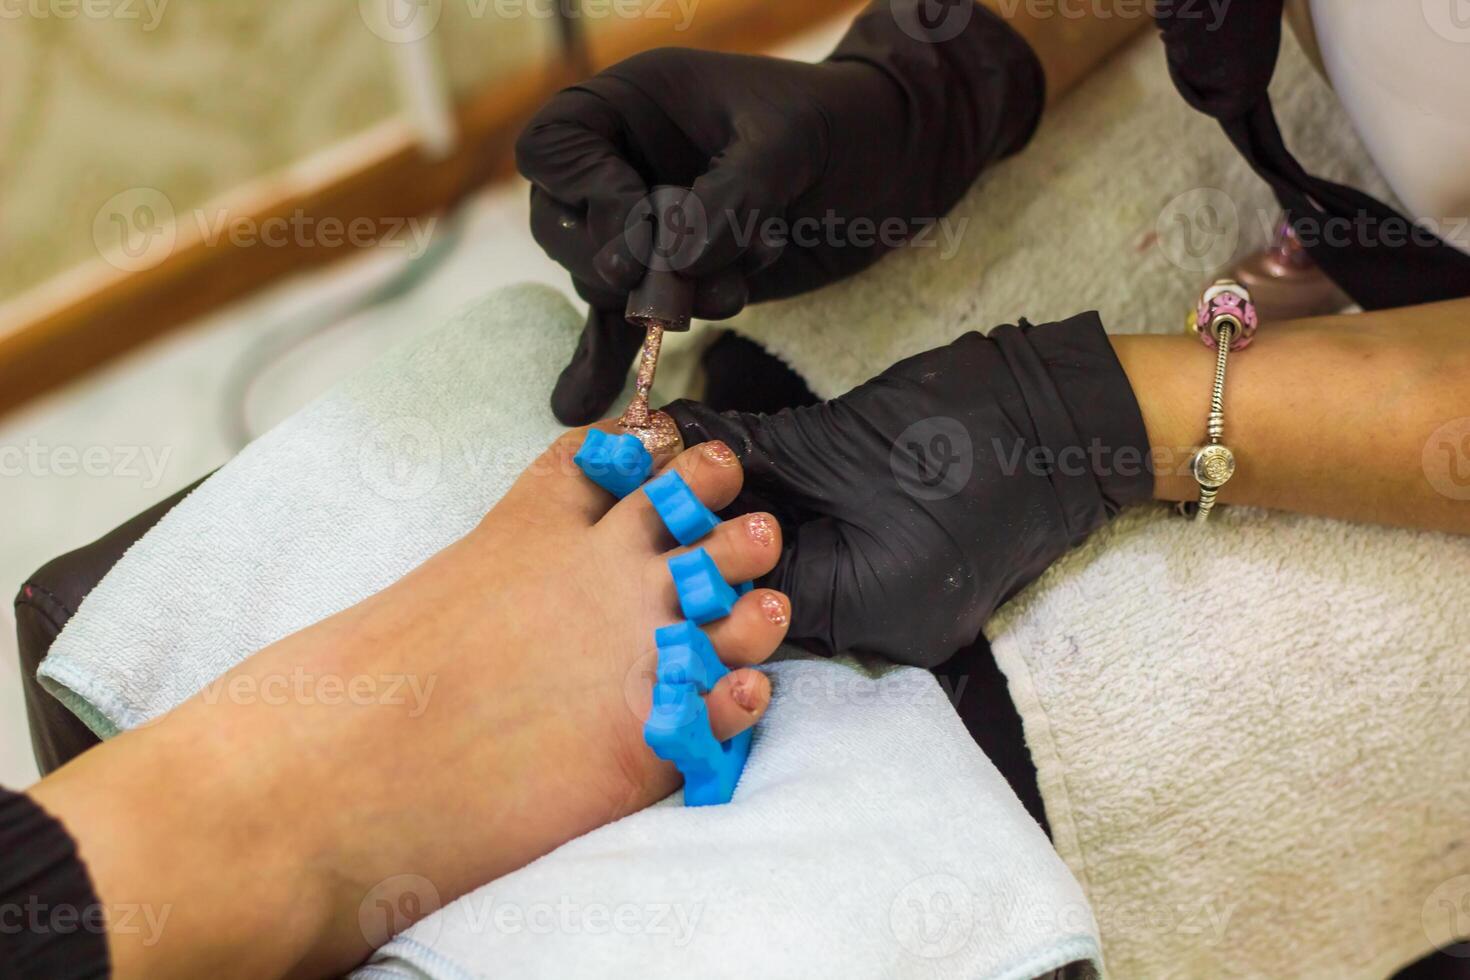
x: 44, y: 604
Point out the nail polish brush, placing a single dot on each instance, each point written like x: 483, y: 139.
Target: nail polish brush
x: 663, y: 301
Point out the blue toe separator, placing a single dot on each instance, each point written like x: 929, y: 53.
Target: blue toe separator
x: 678, y: 727
x: 703, y: 594
x: 687, y: 519
x: 619, y: 464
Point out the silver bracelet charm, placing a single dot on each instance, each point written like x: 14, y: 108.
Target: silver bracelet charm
x: 1225, y: 320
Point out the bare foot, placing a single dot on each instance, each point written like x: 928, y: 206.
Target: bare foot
x: 530, y: 642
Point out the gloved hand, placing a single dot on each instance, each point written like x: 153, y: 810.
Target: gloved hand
x: 916, y: 504
x: 896, y: 124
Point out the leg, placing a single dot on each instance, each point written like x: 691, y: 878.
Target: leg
x: 527, y: 650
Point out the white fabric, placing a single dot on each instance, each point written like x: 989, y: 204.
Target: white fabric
x: 1403, y: 72
x: 1215, y: 778
x: 869, y: 837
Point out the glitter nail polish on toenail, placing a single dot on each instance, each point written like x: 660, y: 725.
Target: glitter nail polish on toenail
x: 775, y: 609
x: 743, y: 694
x: 761, y: 529
x: 718, y: 452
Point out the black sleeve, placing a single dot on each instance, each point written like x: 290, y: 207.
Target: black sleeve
x: 51, y: 923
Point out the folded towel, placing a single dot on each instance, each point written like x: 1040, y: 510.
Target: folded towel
x: 329, y: 507
x: 869, y: 838
x: 1254, y: 752
x: 869, y: 835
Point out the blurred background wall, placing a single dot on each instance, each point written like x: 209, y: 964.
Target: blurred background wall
x: 194, y: 99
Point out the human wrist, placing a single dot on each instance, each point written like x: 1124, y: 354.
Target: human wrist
x: 1096, y: 394
x: 1170, y: 378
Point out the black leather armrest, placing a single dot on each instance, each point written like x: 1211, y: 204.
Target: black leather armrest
x: 45, y: 603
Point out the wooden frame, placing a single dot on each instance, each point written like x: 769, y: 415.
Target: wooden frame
x: 82, y: 319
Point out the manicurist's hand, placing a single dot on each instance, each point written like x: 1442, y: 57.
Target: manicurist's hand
x: 795, y: 167
x: 917, y: 503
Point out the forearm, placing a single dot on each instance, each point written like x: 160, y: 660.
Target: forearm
x: 1071, y: 44
x: 1347, y: 416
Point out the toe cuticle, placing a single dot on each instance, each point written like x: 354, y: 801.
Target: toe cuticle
x: 775, y: 609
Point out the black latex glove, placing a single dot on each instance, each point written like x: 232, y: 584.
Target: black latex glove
x: 896, y: 124
x: 916, y: 504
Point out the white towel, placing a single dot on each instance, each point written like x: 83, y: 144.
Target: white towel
x: 870, y: 837
x: 1272, y: 785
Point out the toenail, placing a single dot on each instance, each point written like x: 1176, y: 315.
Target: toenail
x: 743, y: 694
x: 762, y: 529
x: 718, y: 452
x: 775, y: 608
